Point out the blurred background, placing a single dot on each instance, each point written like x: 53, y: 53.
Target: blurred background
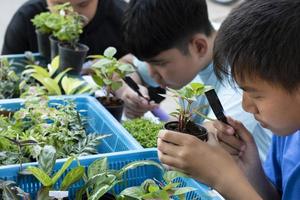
x: 217, y: 13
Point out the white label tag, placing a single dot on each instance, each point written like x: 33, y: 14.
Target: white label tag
x: 58, y: 194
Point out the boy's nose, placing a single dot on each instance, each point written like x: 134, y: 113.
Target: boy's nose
x: 248, y: 104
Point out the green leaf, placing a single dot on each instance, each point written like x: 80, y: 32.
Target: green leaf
x: 41, y: 176
x: 70, y: 85
x: 85, y: 89
x: 183, y: 190
x: 170, y: 186
x: 51, y: 86
x: 43, y: 193
x: 99, y: 178
x: 61, y: 74
x: 110, y: 52
x: 73, y: 176
x: 99, y: 81
x: 100, y: 191
x: 136, y: 164
x: 95, y: 56
x: 47, y: 159
x: 134, y: 192
x: 62, y: 169
x: 170, y: 175
x: 116, y: 85
x: 102, y: 63
x: 53, y: 67
x: 97, y: 167
x: 40, y: 71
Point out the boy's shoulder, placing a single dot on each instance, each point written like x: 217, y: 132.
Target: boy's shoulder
x: 32, y: 7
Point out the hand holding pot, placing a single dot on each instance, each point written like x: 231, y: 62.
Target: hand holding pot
x: 207, y: 162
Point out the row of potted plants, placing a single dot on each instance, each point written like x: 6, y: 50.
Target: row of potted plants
x: 59, y: 30
x: 95, y: 180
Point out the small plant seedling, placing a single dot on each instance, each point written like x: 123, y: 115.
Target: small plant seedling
x: 100, y: 179
x: 154, y: 189
x: 107, y: 71
x: 186, y: 97
x: 9, y: 190
x: 43, y: 173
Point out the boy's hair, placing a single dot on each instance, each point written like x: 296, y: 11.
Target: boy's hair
x: 261, y: 38
x: 153, y: 26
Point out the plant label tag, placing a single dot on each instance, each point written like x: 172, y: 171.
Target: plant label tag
x: 58, y: 194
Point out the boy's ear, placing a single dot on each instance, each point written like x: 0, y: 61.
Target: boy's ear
x: 200, y: 44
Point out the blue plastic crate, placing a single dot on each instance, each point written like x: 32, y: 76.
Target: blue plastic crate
x: 116, y: 161
x: 21, y: 61
x: 99, y: 120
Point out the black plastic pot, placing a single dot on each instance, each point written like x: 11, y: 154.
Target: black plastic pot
x: 72, y: 58
x: 6, y: 113
x: 191, y: 128
x: 43, y: 44
x: 114, y: 105
x: 54, y: 46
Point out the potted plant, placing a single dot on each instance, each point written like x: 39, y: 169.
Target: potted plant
x: 107, y: 72
x: 46, y: 24
x: 72, y: 53
x: 143, y: 130
x: 44, y: 172
x: 186, y: 97
x: 154, y: 189
x: 42, y: 32
x: 53, y: 83
x: 100, y: 179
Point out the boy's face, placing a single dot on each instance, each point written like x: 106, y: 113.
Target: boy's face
x: 172, y: 68
x: 275, y: 108
x: 86, y: 8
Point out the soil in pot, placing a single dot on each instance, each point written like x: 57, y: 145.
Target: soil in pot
x: 53, y: 46
x: 114, y: 105
x: 72, y: 58
x: 43, y: 44
x: 106, y: 196
x: 191, y: 128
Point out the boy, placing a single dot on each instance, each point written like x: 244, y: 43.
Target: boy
x: 102, y: 30
x: 259, y: 41
x: 176, y: 38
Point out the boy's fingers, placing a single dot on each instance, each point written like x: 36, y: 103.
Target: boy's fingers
x: 231, y: 140
x: 168, y: 160
x: 173, y: 137
x: 224, y: 128
x: 240, y: 129
x: 230, y: 149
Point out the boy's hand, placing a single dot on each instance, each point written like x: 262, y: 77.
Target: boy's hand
x: 136, y: 106
x: 207, y: 161
x: 229, y: 142
x: 248, y: 158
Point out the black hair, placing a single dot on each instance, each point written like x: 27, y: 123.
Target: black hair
x: 261, y: 38
x: 153, y: 26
